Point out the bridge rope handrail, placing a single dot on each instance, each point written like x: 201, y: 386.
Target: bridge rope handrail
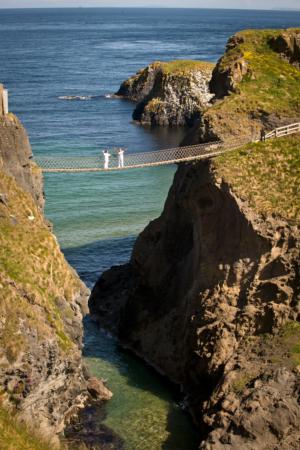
x: 81, y: 163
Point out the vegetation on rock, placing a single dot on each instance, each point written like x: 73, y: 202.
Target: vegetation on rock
x: 40, y: 320
x: 256, y: 87
x: 17, y: 436
x: 267, y: 174
x: 169, y: 93
x: 33, y: 272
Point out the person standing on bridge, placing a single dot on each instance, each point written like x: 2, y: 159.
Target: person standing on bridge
x: 106, y: 158
x: 120, y: 158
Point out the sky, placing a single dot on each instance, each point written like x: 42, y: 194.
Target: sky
x: 239, y: 4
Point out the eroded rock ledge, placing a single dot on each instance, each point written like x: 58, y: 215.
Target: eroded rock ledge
x: 207, y: 277
x: 169, y: 94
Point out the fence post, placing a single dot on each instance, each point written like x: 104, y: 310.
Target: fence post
x: 5, y: 101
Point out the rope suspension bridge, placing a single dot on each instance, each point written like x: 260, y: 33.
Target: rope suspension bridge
x: 150, y: 159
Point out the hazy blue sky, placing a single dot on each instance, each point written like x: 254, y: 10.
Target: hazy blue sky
x: 256, y: 4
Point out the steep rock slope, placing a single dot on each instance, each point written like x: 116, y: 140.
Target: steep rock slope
x: 218, y: 271
x: 254, y: 86
x: 15, y: 157
x: 42, y: 378
x: 169, y: 94
x: 40, y: 308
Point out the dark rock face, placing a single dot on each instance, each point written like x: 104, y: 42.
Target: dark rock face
x: 204, y: 276
x: 226, y: 77
x: 139, y: 86
x: 288, y: 45
x: 15, y: 158
x: 168, y: 98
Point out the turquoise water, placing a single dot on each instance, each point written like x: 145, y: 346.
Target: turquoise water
x: 142, y: 410
x: 89, y: 207
x: 47, y: 54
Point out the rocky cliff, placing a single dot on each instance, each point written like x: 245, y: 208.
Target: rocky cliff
x: 42, y: 379
x: 16, y: 157
x: 255, y: 84
x: 210, y: 297
x: 169, y: 94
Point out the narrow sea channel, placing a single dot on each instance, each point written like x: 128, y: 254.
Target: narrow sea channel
x: 113, y: 208
x: 49, y: 55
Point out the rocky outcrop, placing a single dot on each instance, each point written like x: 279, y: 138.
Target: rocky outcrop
x: 169, y: 94
x: 16, y: 157
x: 229, y: 73
x: 288, y: 45
x: 209, y: 275
x: 256, y: 403
x: 252, y: 87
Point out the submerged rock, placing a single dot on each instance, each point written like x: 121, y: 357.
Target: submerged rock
x: 87, y: 431
x: 16, y: 158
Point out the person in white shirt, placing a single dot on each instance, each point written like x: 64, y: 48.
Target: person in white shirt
x: 106, y: 159
x: 120, y: 158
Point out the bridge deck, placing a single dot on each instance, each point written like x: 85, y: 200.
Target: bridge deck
x: 83, y: 163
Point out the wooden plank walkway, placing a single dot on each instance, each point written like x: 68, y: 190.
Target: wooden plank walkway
x: 77, y: 164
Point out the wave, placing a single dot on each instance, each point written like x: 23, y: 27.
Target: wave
x: 111, y: 96
x: 86, y: 97
x: 79, y: 97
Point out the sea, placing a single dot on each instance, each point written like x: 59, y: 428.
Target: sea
x: 61, y: 67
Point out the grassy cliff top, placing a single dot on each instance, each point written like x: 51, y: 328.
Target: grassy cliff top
x: 36, y: 284
x: 267, y: 174
x: 272, y: 84
x: 185, y: 66
x: 264, y: 85
x: 179, y: 67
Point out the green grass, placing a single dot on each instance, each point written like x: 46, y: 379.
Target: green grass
x: 16, y: 436
x: 270, y: 87
x: 267, y: 174
x: 242, y: 381
x: 33, y: 275
x: 291, y: 340
x: 184, y: 66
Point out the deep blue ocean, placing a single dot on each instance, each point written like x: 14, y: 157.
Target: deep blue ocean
x: 47, y: 54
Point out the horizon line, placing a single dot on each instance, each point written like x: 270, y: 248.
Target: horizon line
x: 278, y: 9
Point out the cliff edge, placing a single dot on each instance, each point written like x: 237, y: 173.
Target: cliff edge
x: 210, y: 297
x: 255, y: 85
x: 16, y: 157
x: 169, y: 93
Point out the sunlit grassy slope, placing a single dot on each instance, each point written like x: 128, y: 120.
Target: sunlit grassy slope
x: 267, y: 174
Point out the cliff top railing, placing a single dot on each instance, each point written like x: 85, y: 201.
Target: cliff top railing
x: 82, y: 163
